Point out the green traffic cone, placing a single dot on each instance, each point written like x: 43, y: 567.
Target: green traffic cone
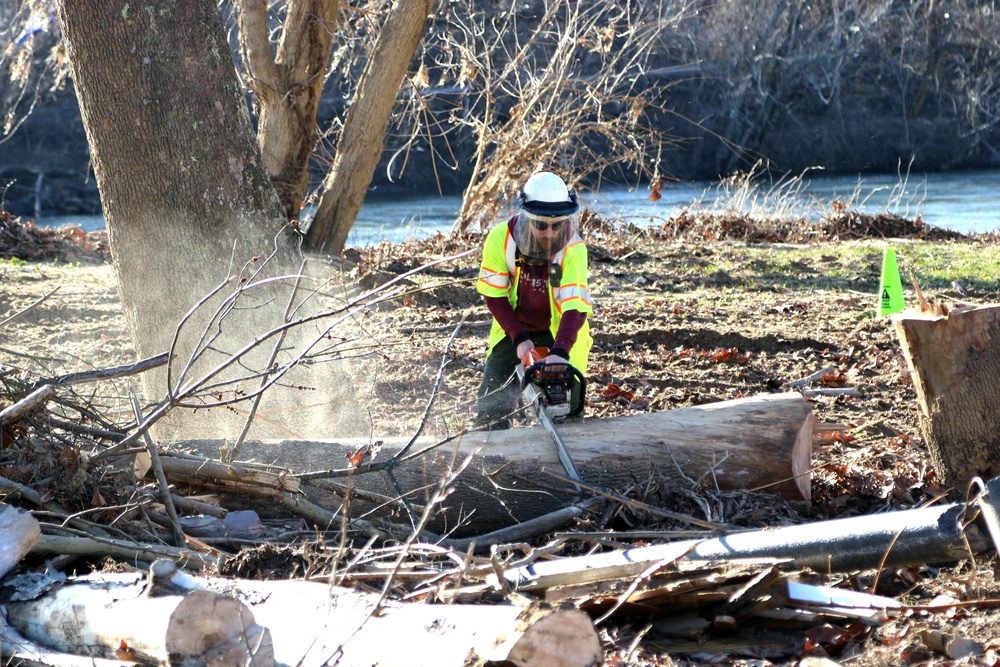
x: 890, y: 288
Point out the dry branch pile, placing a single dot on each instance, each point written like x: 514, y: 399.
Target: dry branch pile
x: 27, y: 241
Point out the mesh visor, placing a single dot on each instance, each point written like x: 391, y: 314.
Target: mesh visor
x: 540, y: 237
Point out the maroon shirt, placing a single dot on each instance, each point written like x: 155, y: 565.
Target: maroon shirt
x: 533, y: 313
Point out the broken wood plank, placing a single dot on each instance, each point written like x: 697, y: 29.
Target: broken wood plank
x: 232, y: 478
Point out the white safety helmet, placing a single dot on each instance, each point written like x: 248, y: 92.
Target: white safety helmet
x: 545, y: 222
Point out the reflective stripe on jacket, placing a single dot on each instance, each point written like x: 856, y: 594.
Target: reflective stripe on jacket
x: 499, y: 273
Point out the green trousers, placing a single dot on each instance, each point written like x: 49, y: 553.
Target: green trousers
x: 499, y: 392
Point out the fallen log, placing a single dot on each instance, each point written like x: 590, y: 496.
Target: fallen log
x: 18, y: 533
x: 762, y: 443
x: 294, y: 623
x: 110, y: 615
x: 954, y: 359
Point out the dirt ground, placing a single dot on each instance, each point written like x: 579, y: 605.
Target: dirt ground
x: 677, y: 322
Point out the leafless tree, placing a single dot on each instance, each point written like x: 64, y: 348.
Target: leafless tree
x: 564, y: 88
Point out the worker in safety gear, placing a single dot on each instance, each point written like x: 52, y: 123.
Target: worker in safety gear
x: 534, y: 279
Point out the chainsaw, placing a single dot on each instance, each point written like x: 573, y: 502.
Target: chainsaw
x: 547, y: 387
x: 549, y: 384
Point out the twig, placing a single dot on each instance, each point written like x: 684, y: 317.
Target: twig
x: 636, y: 503
x: 832, y: 391
x: 73, y: 427
x: 126, y: 551
x: 446, y: 327
x: 434, y: 392
x: 637, y: 581
x: 154, y: 461
x: 106, y: 373
x: 11, y: 488
x: 192, y: 504
x: 324, y: 518
x: 810, y: 378
x: 440, y: 494
x: 527, y: 529
x: 21, y: 313
x: 394, y: 460
x: 32, y: 401
x: 255, y: 403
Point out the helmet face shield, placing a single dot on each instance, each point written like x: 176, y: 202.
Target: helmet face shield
x: 546, y: 221
x: 540, y: 237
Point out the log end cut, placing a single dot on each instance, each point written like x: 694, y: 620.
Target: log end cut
x: 552, y: 638
x: 802, y: 457
x: 218, y: 629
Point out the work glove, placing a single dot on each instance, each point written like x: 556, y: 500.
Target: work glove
x: 523, y: 348
x: 558, y: 363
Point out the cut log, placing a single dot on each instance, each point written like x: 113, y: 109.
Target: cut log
x: 955, y: 363
x: 300, y: 623
x: 762, y: 443
x: 18, y: 533
x: 108, y: 615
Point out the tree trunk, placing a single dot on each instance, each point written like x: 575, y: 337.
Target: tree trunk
x: 288, y: 87
x: 955, y: 362
x: 761, y: 443
x: 296, y: 623
x: 360, y: 143
x: 184, y: 195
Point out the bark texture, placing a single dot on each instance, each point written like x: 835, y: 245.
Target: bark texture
x: 762, y: 443
x: 360, y: 145
x: 184, y: 194
x: 955, y: 362
x: 287, y: 87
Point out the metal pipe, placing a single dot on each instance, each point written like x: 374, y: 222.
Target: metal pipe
x: 908, y: 537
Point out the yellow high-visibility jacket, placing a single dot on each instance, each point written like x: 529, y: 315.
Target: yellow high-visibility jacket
x: 499, y: 273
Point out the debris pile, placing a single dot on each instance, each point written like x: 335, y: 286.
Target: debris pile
x: 27, y: 241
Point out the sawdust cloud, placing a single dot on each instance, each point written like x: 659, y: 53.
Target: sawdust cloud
x: 319, y: 376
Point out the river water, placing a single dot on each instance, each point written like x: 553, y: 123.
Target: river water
x: 967, y: 202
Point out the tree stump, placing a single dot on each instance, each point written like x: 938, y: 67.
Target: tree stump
x: 954, y: 359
